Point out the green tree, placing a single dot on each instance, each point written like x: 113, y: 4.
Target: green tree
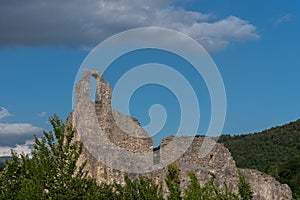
x: 138, y: 189
x: 195, y: 191
x: 2, y: 166
x: 173, y: 182
x: 51, y: 172
x: 289, y: 173
x: 210, y: 191
x: 244, y: 186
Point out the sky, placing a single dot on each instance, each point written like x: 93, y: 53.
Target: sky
x: 255, y: 45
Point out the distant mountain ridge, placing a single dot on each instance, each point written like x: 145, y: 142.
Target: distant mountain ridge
x: 275, y: 151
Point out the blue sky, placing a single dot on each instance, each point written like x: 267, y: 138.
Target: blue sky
x: 255, y: 45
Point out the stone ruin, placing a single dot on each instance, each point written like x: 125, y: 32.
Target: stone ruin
x: 132, y: 138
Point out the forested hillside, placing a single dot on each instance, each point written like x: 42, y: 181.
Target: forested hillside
x: 275, y: 151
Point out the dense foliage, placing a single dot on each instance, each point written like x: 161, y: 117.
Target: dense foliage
x: 275, y: 151
x: 51, y: 173
x: 244, y: 188
x: 2, y: 166
x: 173, y: 182
x: 210, y: 191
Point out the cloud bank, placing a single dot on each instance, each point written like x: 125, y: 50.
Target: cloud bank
x: 25, y: 148
x: 85, y: 23
x: 16, y: 133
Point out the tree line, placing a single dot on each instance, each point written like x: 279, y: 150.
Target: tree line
x: 275, y: 152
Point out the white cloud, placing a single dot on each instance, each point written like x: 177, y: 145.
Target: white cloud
x: 17, y: 133
x: 284, y: 18
x: 12, y: 134
x: 25, y: 148
x: 84, y: 23
x: 4, y: 113
x: 18, y: 129
x: 42, y: 114
x: 218, y: 35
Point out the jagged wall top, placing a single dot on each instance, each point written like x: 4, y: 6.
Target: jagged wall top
x: 105, y: 131
x: 103, y: 89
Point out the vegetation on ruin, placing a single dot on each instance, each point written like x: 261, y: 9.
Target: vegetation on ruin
x: 51, y: 173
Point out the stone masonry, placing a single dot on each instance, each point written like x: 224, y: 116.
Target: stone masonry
x: 97, y: 125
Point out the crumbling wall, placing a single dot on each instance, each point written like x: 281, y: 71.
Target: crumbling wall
x: 265, y: 186
x: 202, y: 152
x: 98, y: 126
x: 202, y: 157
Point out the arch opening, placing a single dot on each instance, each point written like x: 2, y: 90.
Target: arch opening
x: 93, y: 88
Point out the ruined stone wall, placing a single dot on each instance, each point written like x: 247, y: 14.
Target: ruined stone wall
x: 202, y: 157
x: 202, y: 152
x: 265, y: 186
x: 136, y: 141
x: 96, y: 125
